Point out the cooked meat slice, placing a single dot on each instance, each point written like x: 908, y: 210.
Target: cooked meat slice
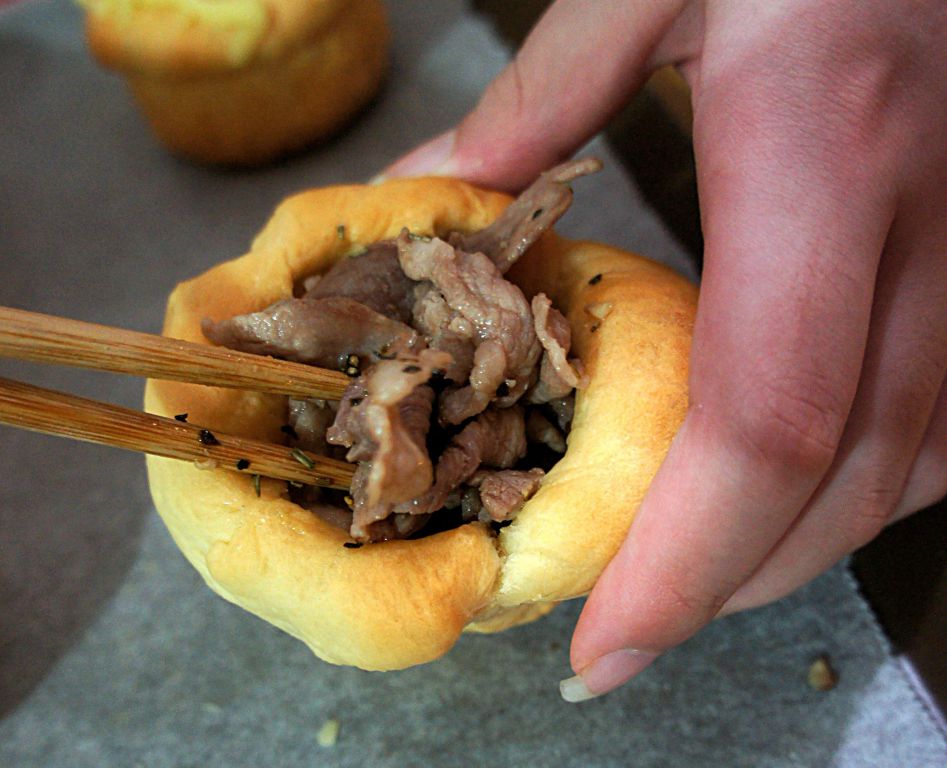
x: 321, y: 332
x: 390, y: 381
x: 349, y: 428
x: 373, y: 278
x: 540, y: 430
x: 503, y: 494
x: 496, y: 438
x: 532, y: 213
x: 383, y: 419
x: 558, y: 375
x: 386, y: 384
x: 444, y: 329
x: 486, y: 377
x: 475, y: 290
x: 309, y: 419
x: 393, y: 461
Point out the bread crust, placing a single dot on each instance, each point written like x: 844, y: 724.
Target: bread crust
x: 400, y: 603
x: 241, y: 82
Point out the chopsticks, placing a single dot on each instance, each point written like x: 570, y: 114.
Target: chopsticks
x: 42, y: 338
x: 44, y: 410
x: 47, y: 339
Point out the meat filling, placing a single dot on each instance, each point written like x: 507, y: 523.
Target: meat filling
x: 459, y: 380
x: 325, y: 332
x: 492, y: 312
x: 533, y: 212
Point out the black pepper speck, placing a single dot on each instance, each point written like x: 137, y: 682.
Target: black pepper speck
x: 207, y: 437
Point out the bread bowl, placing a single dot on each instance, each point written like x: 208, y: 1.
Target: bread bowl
x: 241, y: 82
x: 399, y: 603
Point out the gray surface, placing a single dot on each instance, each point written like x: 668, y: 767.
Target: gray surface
x: 113, y: 653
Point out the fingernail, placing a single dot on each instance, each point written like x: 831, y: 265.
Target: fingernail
x: 605, y: 674
x: 431, y: 159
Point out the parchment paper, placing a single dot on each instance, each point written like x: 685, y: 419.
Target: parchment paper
x: 112, y: 651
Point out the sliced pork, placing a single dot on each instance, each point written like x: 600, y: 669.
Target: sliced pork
x: 373, y: 278
x: 502, y: 494
x: 444, y: 329
x: 558, y: 375
x: 496, y: 438
x: 498, y: 315
x: 383, y: 420
x: 531, y: 214
x: 323, y: 332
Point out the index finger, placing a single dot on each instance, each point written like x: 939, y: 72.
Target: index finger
x: 576, y: 68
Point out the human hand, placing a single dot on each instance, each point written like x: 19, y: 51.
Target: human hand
x: 818, y: 409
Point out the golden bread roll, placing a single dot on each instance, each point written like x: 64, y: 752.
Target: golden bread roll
x: 398, y: 603
x: 242, y: 82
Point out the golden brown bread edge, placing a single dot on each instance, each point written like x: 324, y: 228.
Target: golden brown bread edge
x: 246, y: 81
x: 400, y: 603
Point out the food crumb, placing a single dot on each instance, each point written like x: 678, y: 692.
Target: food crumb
x: 599, y: 310
x: 206, y: 463
x: 822, y: 676
x: 329, y: 733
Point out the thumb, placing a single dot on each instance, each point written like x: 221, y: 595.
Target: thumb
x: 578, y: 66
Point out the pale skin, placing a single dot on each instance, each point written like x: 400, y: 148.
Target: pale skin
x: 818, y: 410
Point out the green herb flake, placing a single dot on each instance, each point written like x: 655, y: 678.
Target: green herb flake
x: 302, y: 458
